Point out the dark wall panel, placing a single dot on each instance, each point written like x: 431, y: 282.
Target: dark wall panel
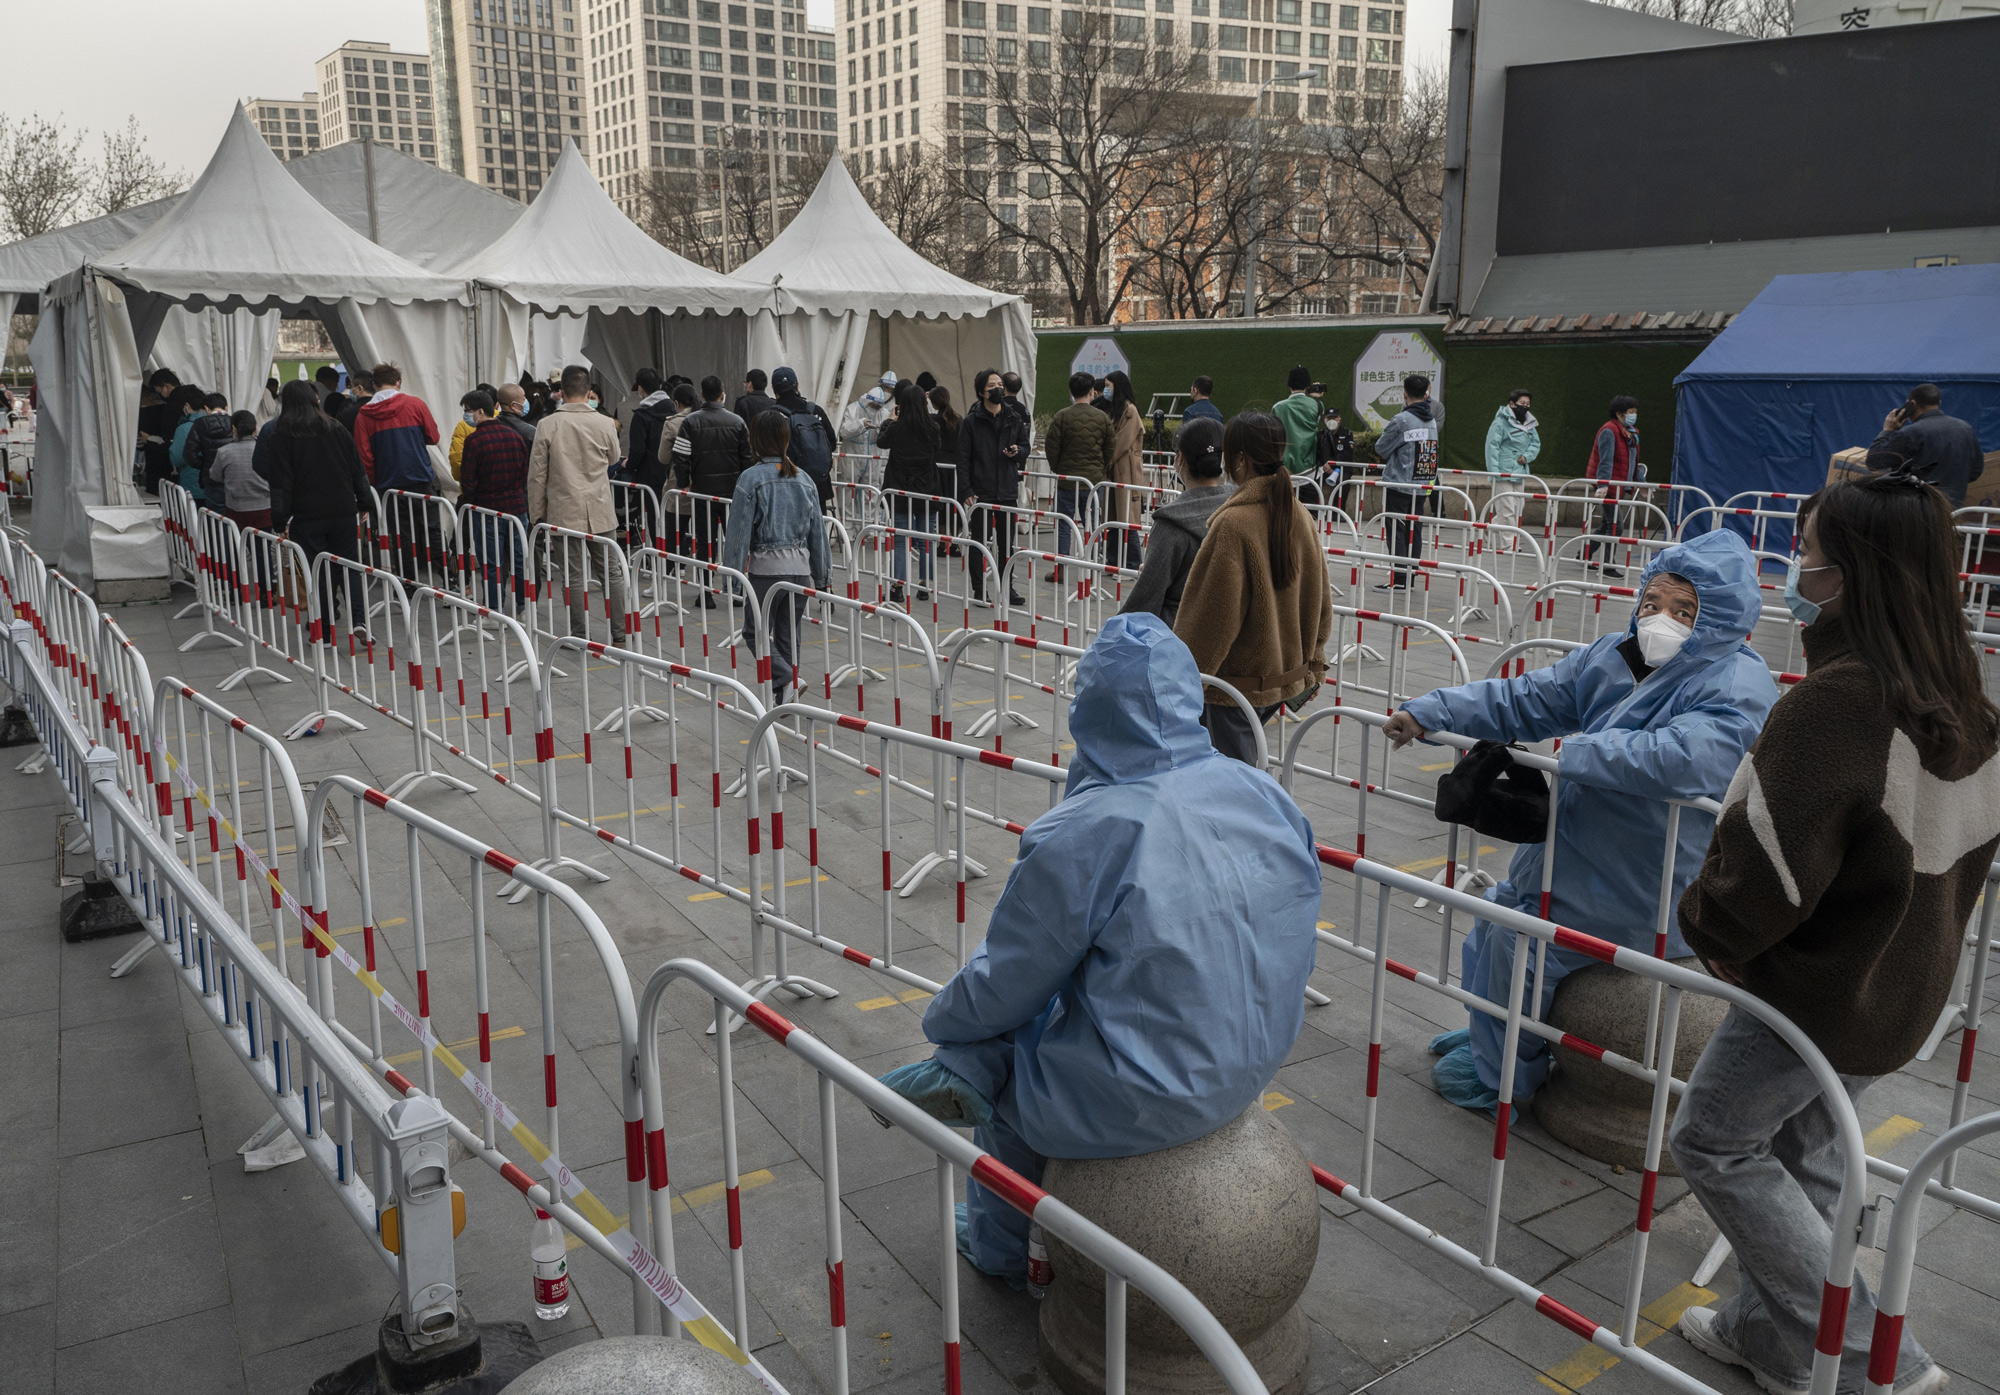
x: 1807, y: 137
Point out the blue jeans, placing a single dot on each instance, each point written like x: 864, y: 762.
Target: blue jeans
x: 1756, y: 1143
x: 782, y: 614
x: 1486, y: 967
x: 499, y: 553
x: 1069, y: 505
x: 911, y: 514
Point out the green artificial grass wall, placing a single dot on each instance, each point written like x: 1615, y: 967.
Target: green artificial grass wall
x: 1573, y: 383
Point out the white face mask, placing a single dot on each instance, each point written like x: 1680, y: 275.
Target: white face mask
x: 1661, y: 637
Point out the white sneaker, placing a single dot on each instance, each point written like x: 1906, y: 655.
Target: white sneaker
x: 1931, y: 1381
x: 1698, y: 1326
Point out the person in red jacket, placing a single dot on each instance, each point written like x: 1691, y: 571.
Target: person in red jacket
x: 1614, y: 455
x: 393, y: 432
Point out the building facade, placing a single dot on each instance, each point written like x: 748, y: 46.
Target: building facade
x: 289, y: 125
x: 668, y: 78
x: 511, y: 88
x: 369, y: 92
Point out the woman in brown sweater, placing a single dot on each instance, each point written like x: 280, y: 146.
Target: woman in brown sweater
x: 1257, y: 609
x: 1121, y: 404
x: 1851, y: 849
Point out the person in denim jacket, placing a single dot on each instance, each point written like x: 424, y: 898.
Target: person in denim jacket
x: 776, y: 534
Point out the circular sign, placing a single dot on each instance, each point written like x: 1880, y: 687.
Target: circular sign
x: 1379, y: 374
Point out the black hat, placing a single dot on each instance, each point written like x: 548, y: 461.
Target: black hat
x: 1299, y: 379
x: 785, y: 380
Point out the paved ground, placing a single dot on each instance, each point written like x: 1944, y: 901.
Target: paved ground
x: 154, y: 1253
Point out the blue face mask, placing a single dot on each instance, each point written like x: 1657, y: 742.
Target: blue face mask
x: 1803, y: 610
x: 472, y: 419
x: 1631, y: 418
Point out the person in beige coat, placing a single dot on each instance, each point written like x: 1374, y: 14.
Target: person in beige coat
x: 1127, y: 432
x: 569, y: 486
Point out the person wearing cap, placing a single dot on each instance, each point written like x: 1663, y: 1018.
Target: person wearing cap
x: 862, y: 420
x: 813, y: 438
x: 1300, y: 415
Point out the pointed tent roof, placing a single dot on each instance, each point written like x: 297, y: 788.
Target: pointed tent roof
x: 431, y: 216
x: 30, y: 264
x: 247, y: 233
x: 836, y: 255
x: 575, y: 250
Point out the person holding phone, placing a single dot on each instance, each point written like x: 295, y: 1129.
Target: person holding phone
x: 1937, y: 449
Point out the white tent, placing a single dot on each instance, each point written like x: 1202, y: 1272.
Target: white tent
x: 574, y: 252
x: 852, y: 301
x: 245, y: 237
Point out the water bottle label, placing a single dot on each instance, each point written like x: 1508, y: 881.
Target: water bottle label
x: 552, y: 1283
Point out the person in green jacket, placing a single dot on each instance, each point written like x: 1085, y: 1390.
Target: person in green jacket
x: 1300, y: 414
x: 1512, y: 443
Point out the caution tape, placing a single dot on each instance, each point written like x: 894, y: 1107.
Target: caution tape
x: 685, y: 1307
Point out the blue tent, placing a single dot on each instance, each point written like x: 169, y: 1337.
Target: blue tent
x: 1814, y: 363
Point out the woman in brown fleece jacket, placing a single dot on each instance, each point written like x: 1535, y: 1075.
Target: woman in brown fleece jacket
x: 1851, y: 849
x: 1257, y: 609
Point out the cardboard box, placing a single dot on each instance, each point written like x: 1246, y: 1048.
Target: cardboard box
x: 1982, y: 493
x: 1848, y: 464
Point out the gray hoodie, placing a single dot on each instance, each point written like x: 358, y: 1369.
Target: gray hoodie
x: 1178, y: 529
x: 1408, y: 445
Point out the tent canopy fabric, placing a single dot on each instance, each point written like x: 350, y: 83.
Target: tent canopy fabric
x: 574, y: 250
x: 30, y: 264
x: 1814, y: 363
x: 836, y: 255
x: 247, y: 234
x: 428, y: 215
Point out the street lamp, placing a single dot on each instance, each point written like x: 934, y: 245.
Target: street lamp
x: 1256, y: 183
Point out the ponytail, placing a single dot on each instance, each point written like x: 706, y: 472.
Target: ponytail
x: 1258, y: 439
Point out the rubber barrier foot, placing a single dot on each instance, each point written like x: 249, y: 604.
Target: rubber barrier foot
x: 97, y: 912
x: 480, y: 1360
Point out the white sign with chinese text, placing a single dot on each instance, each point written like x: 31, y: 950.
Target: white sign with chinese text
x: 1098, y: 357
x: 1379, y: 374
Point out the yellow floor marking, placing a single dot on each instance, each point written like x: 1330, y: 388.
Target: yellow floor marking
x: 503, y: 764
x: 908, y: 995
x: 656, y: 809
x: 206, y: 859
x: 1575, y: 1371
x: 504, y: 1034
x: 1428, y: 863
x: 1889, y: 1133
x: 1274, y: 1100
x: 1326, y: 925
x: 718, y: 895
x: 700, y: 1196
x: 1441, y: 765
x: 269, y: 945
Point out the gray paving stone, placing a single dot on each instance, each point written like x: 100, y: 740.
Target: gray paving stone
x: 124, y: 1079
x: 28, y: 1338
x: 138, y: 1238
x: 290, y: 1370
x: 1466, y: 1365
x: 1379, y: 1306
x: 195, y: 1354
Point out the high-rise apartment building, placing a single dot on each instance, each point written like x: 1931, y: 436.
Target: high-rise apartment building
x: 668, y: 77
x: 510, y: 77
x: 289, y: 125
x: 909, y: 62
x: 369, y: 92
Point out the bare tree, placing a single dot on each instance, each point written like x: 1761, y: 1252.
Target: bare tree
x: 1756, y: 19
x: 1064, y: 144
x: 128, y: 175
x: 922, y: 203
x: 44, y: 176
x: 682, y: 208
x: 1385, y: 163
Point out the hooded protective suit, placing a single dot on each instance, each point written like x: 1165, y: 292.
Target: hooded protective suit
x: 1143, y: 974
x: 1628, y: 744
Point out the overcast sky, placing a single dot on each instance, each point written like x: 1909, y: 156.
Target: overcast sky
x: 180, y: 71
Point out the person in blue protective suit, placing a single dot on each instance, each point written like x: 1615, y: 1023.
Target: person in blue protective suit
x: 1663, y: 711
x: 1144, y: 972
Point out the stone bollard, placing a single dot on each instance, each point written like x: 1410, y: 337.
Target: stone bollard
x: 637, y: 1366
x: 1233, y: 1215
x: 1596, y: 1110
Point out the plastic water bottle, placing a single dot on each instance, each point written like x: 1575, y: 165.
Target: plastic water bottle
x: 1040, y: 1272
x: 548, y: 1250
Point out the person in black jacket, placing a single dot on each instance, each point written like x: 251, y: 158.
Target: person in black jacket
x: 158, y: 416
x: 813, y: 437
x: 992, y: 446
x: 318, y: 490
x: 910, y: 436
x: 710, y: 452
x: 1940, y: 450
x: 754, y: 400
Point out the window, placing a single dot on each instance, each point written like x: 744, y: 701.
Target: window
x: 674, y: 57
x: 1378, y: 21
x: 1232, y: 36
x: 1350, y: 16
x: 1229, y: 70
x: 1163, y: 32
x: 1376, y: 81
x: 1198, y: 35
x: 1288, y: 41
x: 766, y: 19
x: 767, y: 67
x: 1129, y: 29
x: 1038, y: 187
x: 972, y: 48
x: 1038, y: 21
x: 1004, y: 17
x: 1006, y: 52
x: 1234, y: 9
x: 1378, y: 50
x: 1322, y: 16
x: 972, y: 14
x: 1038, y: 53
x: 973, y: 117
x: 711, y: 62
x: 739, y: 63
x: 1288, y: 11
x: 1349, y: 48
x: 1320, y: 45
x: 1345, y: 80
x: 974, y: 83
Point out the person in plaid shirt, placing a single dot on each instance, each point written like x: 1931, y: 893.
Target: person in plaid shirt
x: 493, y: 474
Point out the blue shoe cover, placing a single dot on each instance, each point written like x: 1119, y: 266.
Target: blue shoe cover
x: 1016, y: 1281
x: 1444, y: 1043
x: 1457, y: 1079
x: 941, y: 1093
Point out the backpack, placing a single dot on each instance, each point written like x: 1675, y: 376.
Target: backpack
x: 812, y: 451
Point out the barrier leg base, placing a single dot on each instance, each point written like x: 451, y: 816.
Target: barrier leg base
x: 192, y: 640
x: 931, y: 862
x: 97, y: 912
x: 793, y: 776
x: 1364, y: 651
x: 1468, y: 881
x: 638, y: 710
x: 193, y: 607
x: 409, y: 782
x: 517, y: 891
x: 1315, y: 998
x: 1712, y: 1261
x: 35, y: 764
x: 987, y: 722
x: 129, y: 960
x: 325, y: 714
x: 762, y: 988
x: 847, y: 671
x: 481, y: 1358
x: 249, y: 671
